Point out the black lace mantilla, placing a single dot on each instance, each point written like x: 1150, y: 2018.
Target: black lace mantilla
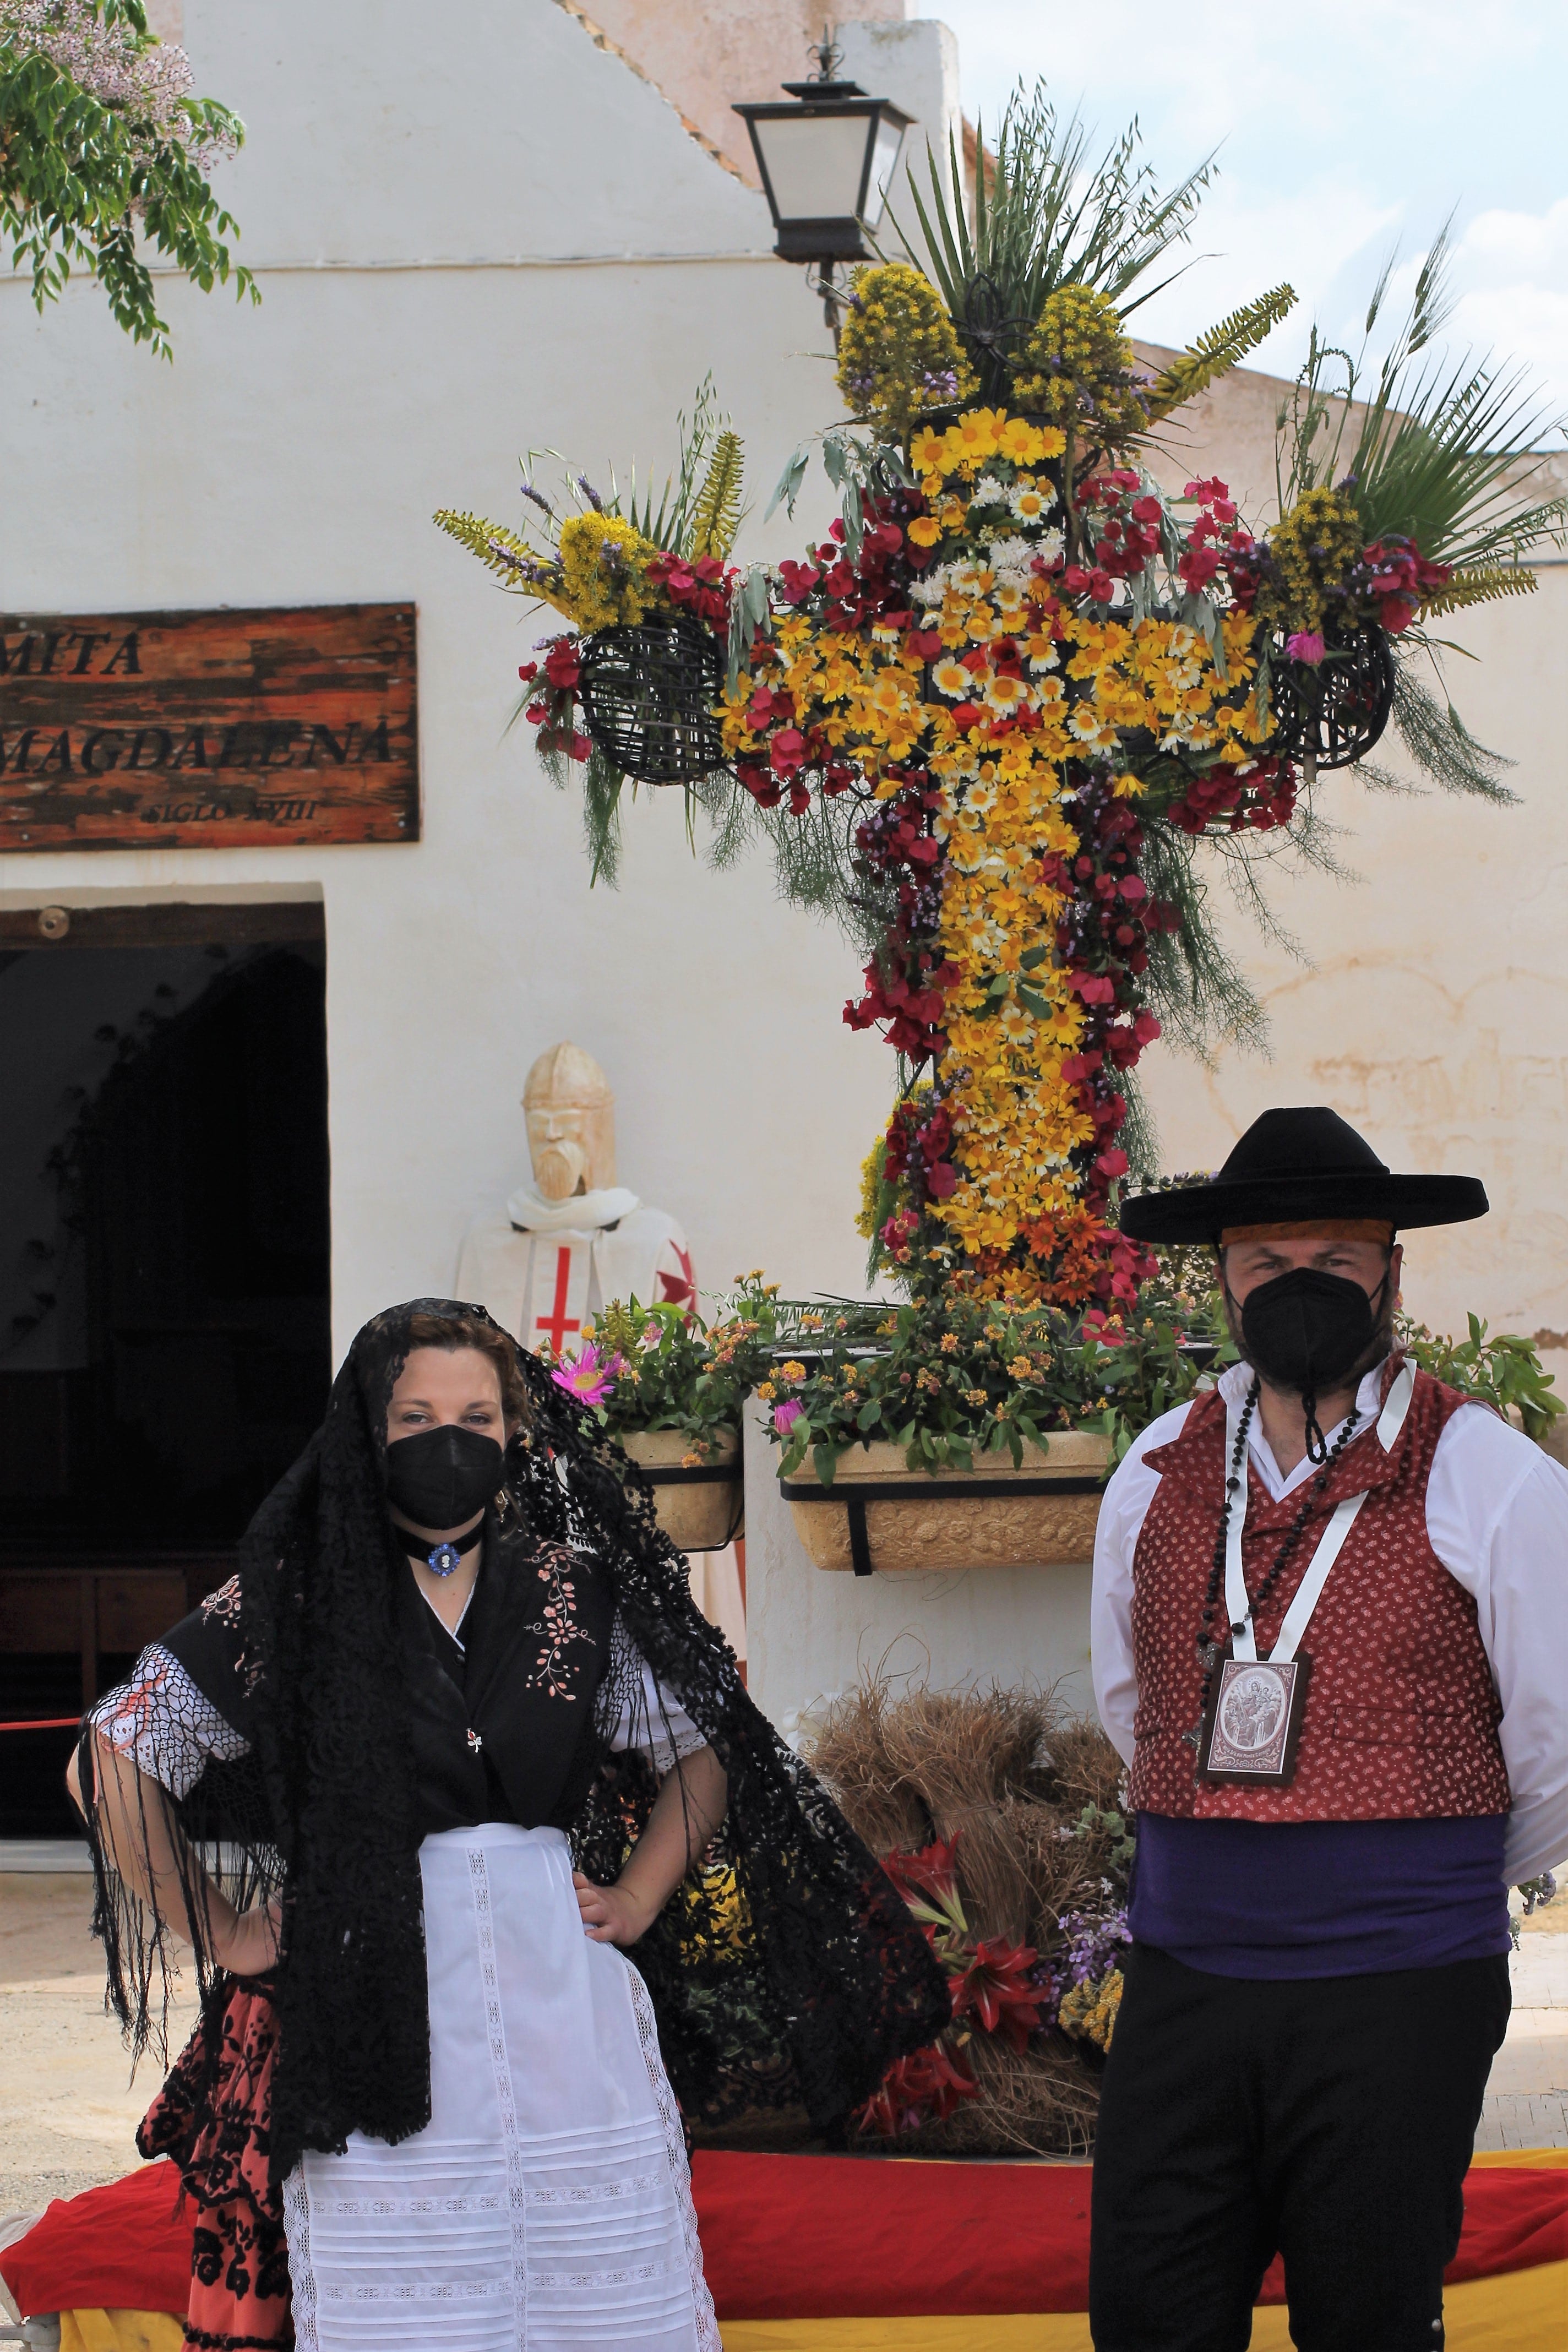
x: 786, y: 1971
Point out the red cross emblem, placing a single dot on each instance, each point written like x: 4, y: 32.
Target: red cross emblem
x: 557, y: 1323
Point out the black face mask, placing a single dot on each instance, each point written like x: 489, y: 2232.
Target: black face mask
x: 1305, y: 1331
x: 440, y: 1477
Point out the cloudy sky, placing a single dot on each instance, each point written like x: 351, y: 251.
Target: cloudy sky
x: 1340, y: 130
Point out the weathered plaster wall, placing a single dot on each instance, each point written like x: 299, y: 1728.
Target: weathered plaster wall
x: 706, y: 54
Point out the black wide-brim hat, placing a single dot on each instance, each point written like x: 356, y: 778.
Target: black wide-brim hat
x: 1292, y: 1166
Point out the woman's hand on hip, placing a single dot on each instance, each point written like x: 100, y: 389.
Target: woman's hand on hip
x: 611, y: 1915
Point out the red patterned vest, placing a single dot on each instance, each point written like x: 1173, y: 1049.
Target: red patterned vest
x: 1401, y: 1716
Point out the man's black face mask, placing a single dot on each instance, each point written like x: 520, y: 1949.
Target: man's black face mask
x: 440, y: 1477
x: 1305, y: 1331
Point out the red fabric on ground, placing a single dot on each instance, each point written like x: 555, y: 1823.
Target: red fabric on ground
x: 842, y: 2237
x: 801, y: 2237
x: 123, y: 2247
x: 787, y: 2237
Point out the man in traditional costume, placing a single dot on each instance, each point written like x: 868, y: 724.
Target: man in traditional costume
x: 573, y: 1240
x: 1330, y: 1639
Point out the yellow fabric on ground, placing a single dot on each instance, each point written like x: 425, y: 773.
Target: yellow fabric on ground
x: 1522, y: 2311
x: 121, y: 2331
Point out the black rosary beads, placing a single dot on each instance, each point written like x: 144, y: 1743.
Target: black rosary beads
x: 1208, y: 1648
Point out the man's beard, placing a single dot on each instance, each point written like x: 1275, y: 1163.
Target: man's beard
x: 561, y: 1169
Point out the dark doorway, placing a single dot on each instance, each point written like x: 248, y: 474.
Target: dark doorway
x: 164, y: 1321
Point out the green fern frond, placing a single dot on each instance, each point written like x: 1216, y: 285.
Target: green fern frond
x: 500, y: 551
x: 1479, y: 586
x: 1216, y: 354
x: 716, y: 517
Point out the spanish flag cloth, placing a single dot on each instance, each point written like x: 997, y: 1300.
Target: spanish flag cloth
x: 808, y: 2254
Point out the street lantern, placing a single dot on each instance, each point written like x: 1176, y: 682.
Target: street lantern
x: 827, y: 160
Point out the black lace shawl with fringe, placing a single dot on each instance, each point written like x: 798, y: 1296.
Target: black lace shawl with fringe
x: 786, y: 1972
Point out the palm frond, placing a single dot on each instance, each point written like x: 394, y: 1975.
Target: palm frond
x: 1444, y: 452
x: 1048, y: 218
x: 670, y: 524
x: 716, y: 512
x: 1479, y: 587
x: 1451, y: 457
x: 1216, y: 354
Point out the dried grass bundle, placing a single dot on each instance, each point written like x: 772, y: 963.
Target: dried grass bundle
x: 1009, y: 1773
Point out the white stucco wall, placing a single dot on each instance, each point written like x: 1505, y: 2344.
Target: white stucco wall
x: 436, y: 204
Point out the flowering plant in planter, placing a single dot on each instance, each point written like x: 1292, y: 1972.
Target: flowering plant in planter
x: 663, y: 1368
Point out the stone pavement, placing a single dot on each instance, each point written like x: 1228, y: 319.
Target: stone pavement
x: 68, y: 2111
x: 1527, y: 2098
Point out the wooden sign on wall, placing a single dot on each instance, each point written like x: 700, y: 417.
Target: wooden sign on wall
x: 210, y: 730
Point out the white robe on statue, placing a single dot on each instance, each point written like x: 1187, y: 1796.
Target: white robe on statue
x: 549, y: 1266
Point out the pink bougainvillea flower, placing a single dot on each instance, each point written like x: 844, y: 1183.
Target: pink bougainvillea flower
x: 1307, y: 645
x: 786, y: 1416
x: 588, y: 1376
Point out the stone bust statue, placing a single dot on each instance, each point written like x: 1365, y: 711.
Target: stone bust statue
x: 572, y: 1238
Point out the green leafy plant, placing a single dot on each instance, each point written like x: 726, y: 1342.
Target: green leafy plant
x: 102, y: 145
x: 1502, y: 1368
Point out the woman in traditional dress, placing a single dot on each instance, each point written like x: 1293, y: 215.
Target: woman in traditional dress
x: 454, y: 1734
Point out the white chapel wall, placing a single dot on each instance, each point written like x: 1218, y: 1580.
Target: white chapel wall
x: 462, y: 224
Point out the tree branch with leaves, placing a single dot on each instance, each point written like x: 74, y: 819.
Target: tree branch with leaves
x: 104, y: 152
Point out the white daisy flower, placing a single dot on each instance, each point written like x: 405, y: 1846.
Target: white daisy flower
x: 1031, y: 501
x: 1014, y: 555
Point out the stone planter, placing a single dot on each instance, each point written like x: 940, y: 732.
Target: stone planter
x: 878, y: 1515
x: 701, y: 1508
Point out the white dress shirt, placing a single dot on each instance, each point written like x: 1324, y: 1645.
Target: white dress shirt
x: 1496, y: 1518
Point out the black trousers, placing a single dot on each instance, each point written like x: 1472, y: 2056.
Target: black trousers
x: 1330, y: 2120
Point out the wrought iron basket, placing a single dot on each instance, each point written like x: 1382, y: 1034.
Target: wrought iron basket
x: 1333, y: 715
x: 649, y: 693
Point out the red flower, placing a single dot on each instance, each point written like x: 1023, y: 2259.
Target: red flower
x: 931, y: 2083
x: 929, y: 1872
x: 787, y: 752
x: 1197, y: 566
x: 561, y: 667
x: 942, y: 1179
x: 528, y: 672
x: 1396, y: 613
x: 995, y: 1986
